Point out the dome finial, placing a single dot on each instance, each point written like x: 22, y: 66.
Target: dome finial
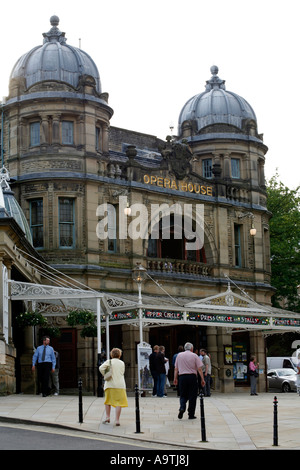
x: 214, y: 82
x: 54, y: 35
x: 214, y: 70
x: 54, y: 20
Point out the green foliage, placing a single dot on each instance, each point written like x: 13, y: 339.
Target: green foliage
x: 280, y: 345
x: 284, y: 204
x: 89, y: 331
x: 80, y: 317
x: 30, y: 319
x: 37, y: 319
x: 83, y: 318
x: 52, y: 331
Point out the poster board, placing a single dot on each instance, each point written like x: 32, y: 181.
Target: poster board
x: 145, y: 380
x: 228, y: 354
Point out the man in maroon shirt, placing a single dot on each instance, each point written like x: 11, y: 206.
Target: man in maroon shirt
x: 185, y: 375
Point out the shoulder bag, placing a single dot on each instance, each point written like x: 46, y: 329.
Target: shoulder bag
x: 108, y: 372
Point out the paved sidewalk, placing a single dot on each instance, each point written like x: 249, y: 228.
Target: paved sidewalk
x: 234, y: 421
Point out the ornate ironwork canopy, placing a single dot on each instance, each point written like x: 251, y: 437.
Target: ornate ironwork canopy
x: 228, y: 309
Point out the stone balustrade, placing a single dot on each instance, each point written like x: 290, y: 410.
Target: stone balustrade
x: 164, y: 265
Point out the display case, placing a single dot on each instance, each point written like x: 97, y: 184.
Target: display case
x: 240, y: 362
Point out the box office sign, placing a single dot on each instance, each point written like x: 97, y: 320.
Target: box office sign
x: 286, y: 322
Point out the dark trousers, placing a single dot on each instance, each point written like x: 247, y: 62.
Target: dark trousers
x: 207, y: 385
x: 188, y: 389
x: 155, y: 378
x: 44, y: 376
x: 161, y: 379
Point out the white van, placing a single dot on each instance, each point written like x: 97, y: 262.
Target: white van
x: 282, y: 363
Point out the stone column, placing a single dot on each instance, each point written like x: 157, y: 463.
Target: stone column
x: 56, y: 129
x: 80, y: 139
x: 44, y: 130
x: 28, y: 378
x: 216, y: 159
x: 257, y: 349
x: 3, y: 386
x: 212, y: 348
x: 23, y: 135
x: 1, y: 298
x: 105, y: 134
x: 225, y: 370
x: 227, y: 166
x: 131, y: 339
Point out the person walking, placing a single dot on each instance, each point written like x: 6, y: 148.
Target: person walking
x: 167, y: 367
x: 44, y: 357
x: 186, y: 367
x: 115, y: 388
x: 152, y: 367
x: 161, y: 371
x: 253, y: 366
x: 180, y: 349
x: 206, y: 368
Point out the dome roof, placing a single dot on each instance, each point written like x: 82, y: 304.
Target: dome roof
x: 55, y: 61
x: 215, y: 105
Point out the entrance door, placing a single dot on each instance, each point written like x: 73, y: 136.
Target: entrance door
x: 65, y: 345
x: 173, y: 336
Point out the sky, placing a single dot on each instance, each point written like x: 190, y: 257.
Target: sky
x: 153, y: 56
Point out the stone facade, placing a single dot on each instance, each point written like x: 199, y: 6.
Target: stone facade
x: 97, y: 164
x: 12, y: 263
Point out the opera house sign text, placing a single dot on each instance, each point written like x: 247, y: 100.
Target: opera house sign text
x: 184, y: 186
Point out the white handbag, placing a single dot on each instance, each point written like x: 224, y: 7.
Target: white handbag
x: 108, y: 372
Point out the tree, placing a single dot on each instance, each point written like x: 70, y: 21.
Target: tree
x: 284, y: 204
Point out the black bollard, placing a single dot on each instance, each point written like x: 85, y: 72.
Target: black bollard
x: 80, y: 400
x: 275, y: 423
x: 203, y: 431
x: 137, y: 410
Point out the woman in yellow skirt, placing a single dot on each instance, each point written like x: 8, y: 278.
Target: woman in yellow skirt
x: 115, y: 388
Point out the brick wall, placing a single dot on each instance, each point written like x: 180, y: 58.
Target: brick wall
x: 118, y: 136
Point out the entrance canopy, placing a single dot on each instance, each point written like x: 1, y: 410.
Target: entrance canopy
x: 228, y: 309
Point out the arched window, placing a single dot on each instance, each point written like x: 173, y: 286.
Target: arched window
x: 173, y: 244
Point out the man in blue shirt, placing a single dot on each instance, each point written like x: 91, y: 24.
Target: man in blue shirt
x: 45, y: 357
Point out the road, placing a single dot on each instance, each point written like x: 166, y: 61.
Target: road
x: 29, y: 437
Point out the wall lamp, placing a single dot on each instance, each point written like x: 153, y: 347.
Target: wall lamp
x: 251, y: 216
x: 127, y: 210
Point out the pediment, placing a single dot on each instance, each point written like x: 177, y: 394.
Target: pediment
x: 227, y: 300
